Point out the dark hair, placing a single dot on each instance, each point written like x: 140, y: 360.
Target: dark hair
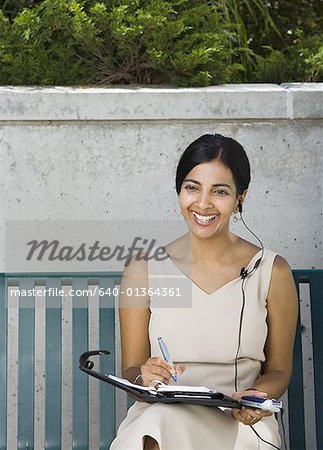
x: 211, y: 147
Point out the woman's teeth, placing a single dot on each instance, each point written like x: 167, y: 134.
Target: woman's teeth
x: 204, y: 219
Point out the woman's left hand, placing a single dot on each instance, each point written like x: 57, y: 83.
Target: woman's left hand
x: 249, y: 416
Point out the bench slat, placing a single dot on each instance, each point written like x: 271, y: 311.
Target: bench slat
x: 3, y: 364
x: 26, y: 371
x: 107, y: 364
x: 295, y: 389
x: 316, y: 288
x: 80, y: 382
x: 53, y: 355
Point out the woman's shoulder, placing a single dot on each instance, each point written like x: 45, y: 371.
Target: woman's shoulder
x: 177, y: 245
x: 178, y: 250
x: 136, y: 266
x: 280, y: 271
x: 281, y: 267
x: 282, y: 286
x: 245, y: 251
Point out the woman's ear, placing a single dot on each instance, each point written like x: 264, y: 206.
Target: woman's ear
x: 243, y: 196
x: 241, y: 199
x: 236, y: 208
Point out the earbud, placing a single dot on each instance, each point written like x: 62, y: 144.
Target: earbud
x: 240, y: 207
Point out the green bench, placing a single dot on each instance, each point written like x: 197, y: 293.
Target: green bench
x: 46, y: 402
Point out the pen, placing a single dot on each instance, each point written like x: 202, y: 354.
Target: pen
x: 166, y: 355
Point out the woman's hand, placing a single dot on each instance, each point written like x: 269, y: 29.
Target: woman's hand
x: 249, y: 416
x: 157, y: 368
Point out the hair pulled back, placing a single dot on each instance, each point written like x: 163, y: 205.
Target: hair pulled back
x: 210, y: 147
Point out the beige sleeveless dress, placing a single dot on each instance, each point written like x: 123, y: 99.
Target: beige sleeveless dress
x: 202, y: 333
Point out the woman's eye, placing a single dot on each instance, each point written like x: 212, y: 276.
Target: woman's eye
x: 190, y: 187
x: 221, y: 192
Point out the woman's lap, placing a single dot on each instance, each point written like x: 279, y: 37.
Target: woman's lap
x: 190, y: 427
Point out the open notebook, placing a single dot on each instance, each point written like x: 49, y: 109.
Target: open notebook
x: 158, y: 391
x: 171, y: 390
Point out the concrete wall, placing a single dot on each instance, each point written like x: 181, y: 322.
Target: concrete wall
x: 111, y: 154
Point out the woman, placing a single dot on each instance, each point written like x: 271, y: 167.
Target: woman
x: 236, y: 335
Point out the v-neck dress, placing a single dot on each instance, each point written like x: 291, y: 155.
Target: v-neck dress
x: 201, y: 331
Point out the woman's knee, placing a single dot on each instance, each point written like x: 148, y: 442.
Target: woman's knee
x: 150, y: 443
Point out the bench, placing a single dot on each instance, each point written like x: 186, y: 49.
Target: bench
x: 46, y: 402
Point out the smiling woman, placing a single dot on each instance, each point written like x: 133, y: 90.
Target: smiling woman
x: 233, y: 336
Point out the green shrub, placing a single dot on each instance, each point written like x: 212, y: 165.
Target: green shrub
x: 308, y: 58
x: 181, y: 42
x: 302, y: 61
x: 129, y: 41
x: 43, y: 45
x: 11, y: 8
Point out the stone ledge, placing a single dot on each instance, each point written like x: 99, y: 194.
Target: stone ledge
x: 306, y: 100
x: 225, y: 102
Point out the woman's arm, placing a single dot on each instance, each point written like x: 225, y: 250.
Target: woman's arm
x: 134, y: 316
x: 282, y: 307
x: 134, y: 322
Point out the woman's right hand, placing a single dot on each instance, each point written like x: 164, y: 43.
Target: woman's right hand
x: 156, y: 368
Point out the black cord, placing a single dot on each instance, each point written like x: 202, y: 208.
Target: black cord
x: 254, y: 234
x: 244, y: 274
x: 261, y: 245
x: 263, y: 440
x: 283, y: 427
x: 239, y: 339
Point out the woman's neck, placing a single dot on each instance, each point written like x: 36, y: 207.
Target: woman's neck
x: 206, y: 251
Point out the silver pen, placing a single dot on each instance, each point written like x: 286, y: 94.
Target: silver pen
x: 166, y: 355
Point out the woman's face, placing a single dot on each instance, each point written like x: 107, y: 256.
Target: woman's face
x: 207, y: 199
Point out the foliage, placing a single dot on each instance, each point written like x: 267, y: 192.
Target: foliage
x: 37, y: 48
x: 243, y: 15
x: 11, y: 8
x: 302, y: 61
x: 180, y: 42
x: 126, y: 42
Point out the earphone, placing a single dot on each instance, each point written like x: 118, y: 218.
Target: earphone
x: 244, y: 273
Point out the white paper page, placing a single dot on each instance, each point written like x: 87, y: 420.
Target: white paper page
x: 164, y: 387
x: 128, y: 383
x: 182, y: 388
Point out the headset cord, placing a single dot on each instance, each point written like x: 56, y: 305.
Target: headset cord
x: 283, y: 427
x: 261, y: 244
x: 244, y: 274
x: 263, y: 440
x: 239, y: 338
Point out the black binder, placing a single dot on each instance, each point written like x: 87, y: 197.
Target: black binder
x: 214, y: 399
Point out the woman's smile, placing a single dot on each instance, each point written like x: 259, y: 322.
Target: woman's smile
x: 204, y: 219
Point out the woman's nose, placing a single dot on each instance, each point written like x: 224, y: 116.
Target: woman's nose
x: 204, y: 200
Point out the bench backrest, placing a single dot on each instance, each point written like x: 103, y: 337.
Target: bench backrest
x: 46, y: 402
x: 305, y: 392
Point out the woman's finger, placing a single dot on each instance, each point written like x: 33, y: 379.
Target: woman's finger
x: 249, y: 416
x: 180, y: 368
x: 160, y: 362
x: 241, y: 418
x: 156, y: 369
x: 148, y: 378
